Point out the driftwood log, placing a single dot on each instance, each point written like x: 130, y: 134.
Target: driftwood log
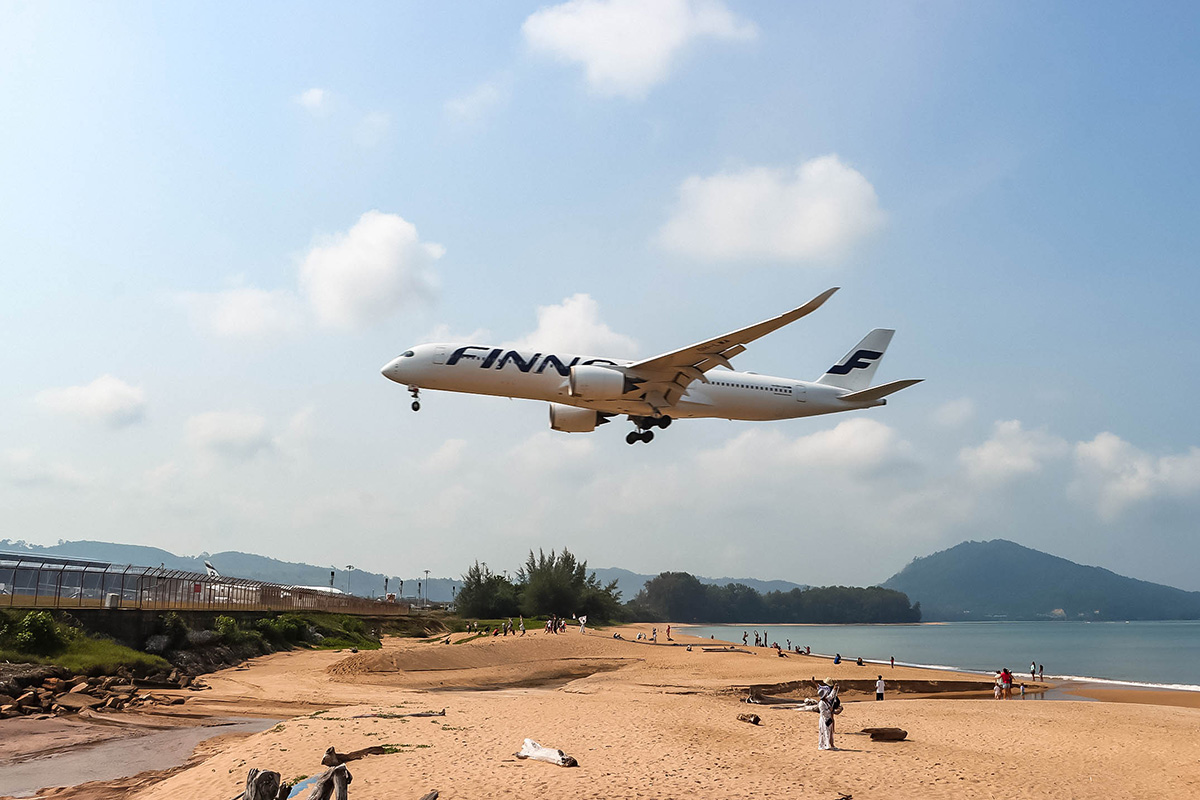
x: 886, y: 734
x: 332, y: 757
x: 333, y: 784
x: 431, y: 796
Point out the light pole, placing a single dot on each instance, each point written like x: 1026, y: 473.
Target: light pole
x: 349, y: 575
x: 426, y: 588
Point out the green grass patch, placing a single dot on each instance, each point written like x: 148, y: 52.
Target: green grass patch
x: 84, y: 655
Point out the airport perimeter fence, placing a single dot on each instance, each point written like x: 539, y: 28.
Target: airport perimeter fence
x: 28, y: 581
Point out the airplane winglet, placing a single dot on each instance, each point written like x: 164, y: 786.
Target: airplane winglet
x: 879, y: 392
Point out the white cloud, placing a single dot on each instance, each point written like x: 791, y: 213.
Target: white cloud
x: 480, y: 101
x: 955, y: 413
x: 107, y: 399
x: 447, y: 457
x: 819, y: 211
x: 23, y: 468
x: 1116, y: 475
x: 1011, y: 452
x: 235, y: 435
x: 245, y: 312
x: 574, y: 326
x: 314, y: 100
x: 366, y: 274
x: 628, y: 46
x: 854, y: 445
x: 372, y: 129
x: 444, y: 333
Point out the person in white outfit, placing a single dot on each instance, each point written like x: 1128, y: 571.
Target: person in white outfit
x: 583, y: 624
x: 879, y: 688
x: 825, y: 708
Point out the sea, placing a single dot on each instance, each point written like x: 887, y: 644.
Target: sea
x: 1160, y: 655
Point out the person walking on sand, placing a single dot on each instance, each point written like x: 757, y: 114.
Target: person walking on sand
x: 583, y: 624
x: 893, y: 662
x: 1040, y: 673
x: 654, y: 635
x: 1032, y: 669
x: 669, y: 639
x: 879, y: 688
x: 522, y: 625
x: 743, y: 638
x: 827, y: 695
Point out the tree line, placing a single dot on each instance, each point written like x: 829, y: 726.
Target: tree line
x: 560, y: 584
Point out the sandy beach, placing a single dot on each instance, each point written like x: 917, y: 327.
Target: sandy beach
x: 658, y: 721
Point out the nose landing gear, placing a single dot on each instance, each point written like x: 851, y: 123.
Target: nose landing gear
x: 633, y: 437
x: 415, y: 391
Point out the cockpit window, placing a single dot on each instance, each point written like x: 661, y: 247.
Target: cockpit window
x: 407, y: 354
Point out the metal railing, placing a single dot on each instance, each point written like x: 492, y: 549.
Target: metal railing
x: 31, y: 581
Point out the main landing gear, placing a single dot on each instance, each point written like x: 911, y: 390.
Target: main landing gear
x: 643, y: 434
x: 415, y: 391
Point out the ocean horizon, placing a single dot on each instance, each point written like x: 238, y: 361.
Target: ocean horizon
x: 1156, y: 654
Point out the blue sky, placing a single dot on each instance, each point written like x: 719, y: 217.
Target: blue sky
x: 217, y: 223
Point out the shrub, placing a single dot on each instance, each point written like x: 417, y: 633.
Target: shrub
x: 227, y: 629
x: 37, y: 634
x: 174, y: 628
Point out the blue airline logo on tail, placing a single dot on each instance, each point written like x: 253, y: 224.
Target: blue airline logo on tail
x: 860, y: 360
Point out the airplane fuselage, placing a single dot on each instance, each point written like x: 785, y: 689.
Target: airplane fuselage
x: 506, y: 372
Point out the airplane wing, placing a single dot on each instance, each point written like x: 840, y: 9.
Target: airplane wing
x: 664, y: 378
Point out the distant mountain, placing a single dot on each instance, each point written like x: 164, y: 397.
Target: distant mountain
x: 630, y: 583
x: 1003, y: 580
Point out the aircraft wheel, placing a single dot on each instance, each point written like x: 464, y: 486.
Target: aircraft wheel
x: 648, y: 437
x: 416, y: 405
x: 632, y: 437
x: 664, y: 422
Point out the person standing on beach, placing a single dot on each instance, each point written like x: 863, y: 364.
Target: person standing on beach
x: 1032, y: 670
x: 669, y: 639
x: 583, y: 624
x: 743, y: 638
x: 893, y: 662
x: 827, y: 695
x: 522, y: 624
x: 1040, y: 673
x: 879, y: 688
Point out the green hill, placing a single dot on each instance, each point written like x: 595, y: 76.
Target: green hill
x: 1003, y: 580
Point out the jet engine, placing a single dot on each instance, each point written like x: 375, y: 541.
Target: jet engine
x: 570, y: 419
x: 596, y: 383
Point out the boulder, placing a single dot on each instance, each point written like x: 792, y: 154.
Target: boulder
x: 78, y: 700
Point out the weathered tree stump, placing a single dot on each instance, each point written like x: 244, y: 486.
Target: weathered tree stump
x: 333, y: 783
x: 261, y: 785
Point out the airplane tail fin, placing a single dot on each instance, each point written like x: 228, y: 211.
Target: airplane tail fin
x: 212, y: 571
x: 855, y: 370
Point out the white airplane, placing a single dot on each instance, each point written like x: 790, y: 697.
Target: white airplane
x: 584, y: 392
x: 212, y: 573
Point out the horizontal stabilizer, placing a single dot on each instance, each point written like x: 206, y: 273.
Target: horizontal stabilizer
x: 879, y: 392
